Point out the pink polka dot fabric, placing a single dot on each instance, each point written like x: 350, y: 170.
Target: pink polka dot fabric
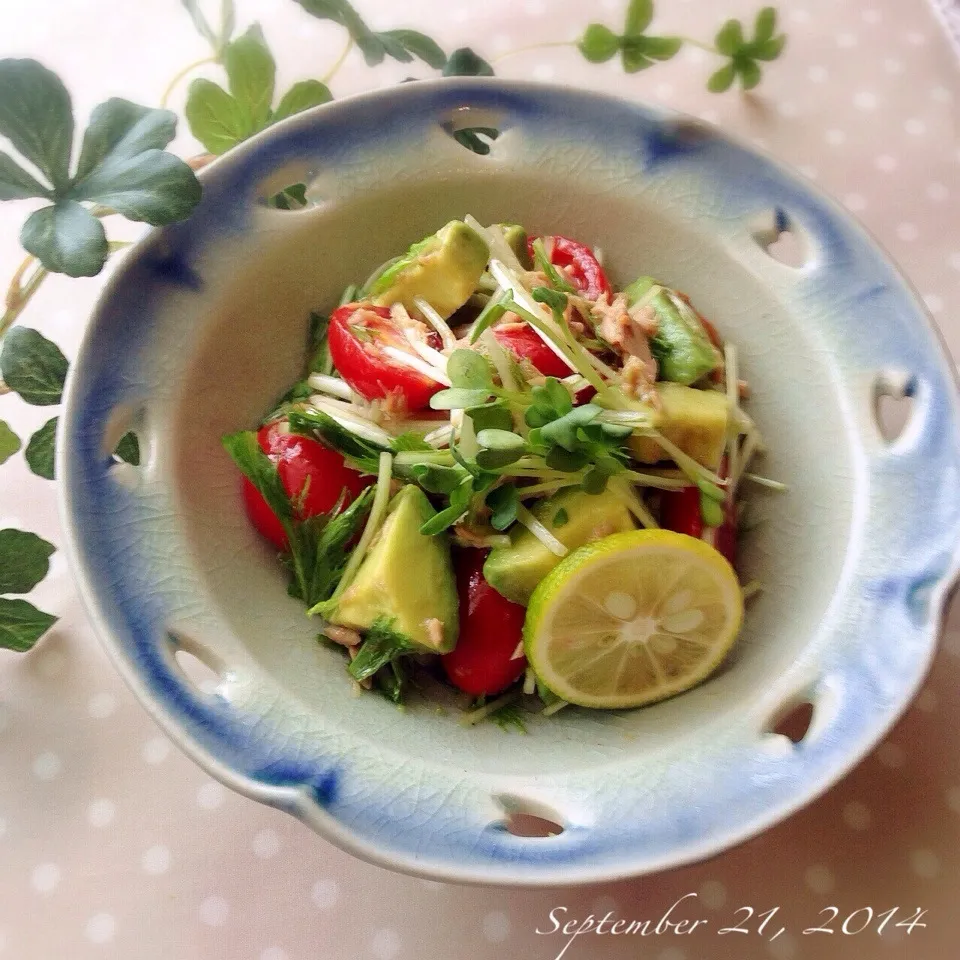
x: 115, y: 846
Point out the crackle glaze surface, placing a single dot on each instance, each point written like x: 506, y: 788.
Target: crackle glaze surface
x: 853, y: 593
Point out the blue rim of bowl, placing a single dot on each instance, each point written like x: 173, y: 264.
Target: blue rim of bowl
x: 903, y: 600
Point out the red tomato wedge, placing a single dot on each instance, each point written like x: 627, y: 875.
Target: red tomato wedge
x: 579, y: 263
x: 302, y: 462
x: 526, y: 344
x: 482, y: 662
x: 357, y: 334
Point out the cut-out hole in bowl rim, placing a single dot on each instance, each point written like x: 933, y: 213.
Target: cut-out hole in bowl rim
x: 894, y: 403
x: 474, y: 129
x: 795, y: 724
x: 781, y: 239
x: 291, y: 189
x: 528, y: 818
x: 203, y: 670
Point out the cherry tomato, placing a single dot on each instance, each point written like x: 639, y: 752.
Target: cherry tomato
x: 490, y: 630
x: 680, y: 511
x: 357, y: 335
x: 585, y: 271
x: 301, y: 462
x: 526, y: 344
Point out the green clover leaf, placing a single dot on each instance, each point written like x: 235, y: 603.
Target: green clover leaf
x: 122, y: 166
x: 744, y: 54
x: 221, y: 119
x: 637, y: 50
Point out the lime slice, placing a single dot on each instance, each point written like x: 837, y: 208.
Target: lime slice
x: 632, y: 618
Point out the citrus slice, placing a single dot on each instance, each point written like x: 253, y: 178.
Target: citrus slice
x: 633, y: 618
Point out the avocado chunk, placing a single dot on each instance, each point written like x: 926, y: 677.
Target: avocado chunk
x: 516, y: 238
x: 407, y: 578
x: 443, y: 269
x: 694, y: 420
x: 681, y: 346
x: 516, y: 570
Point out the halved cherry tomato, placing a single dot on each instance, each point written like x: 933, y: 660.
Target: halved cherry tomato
x: 490, y: 630
x: 301, y: 462
x: 526, y: 344
x: 584, y: 268
x: 357, y: 334
x: 680, y: 511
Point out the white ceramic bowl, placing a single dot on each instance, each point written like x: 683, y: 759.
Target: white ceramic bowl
x: 204, y: 325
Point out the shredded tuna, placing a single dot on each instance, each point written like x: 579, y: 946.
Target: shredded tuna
x: 394, y: 405
x: 399, y: 315
x: 342, y: 635
x: 636, y: 381
x: 625, y: 333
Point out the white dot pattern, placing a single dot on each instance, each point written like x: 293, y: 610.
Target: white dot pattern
x: 496, y: 927
x: 385, y: 944
x: 214, y: 911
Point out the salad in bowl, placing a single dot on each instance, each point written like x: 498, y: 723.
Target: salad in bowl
x: 502, y: 473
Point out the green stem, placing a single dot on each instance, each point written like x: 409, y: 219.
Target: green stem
x: 700, y: 44
x: 332, y: 72
x: 535, y: 46
x: 17, y: 300
x: 172, y: 85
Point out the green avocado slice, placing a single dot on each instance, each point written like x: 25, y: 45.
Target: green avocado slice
x: 444, y: 269
x: 516, y: 570
x: 406, y: 578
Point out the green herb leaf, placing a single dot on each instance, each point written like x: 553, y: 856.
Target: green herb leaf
x: 639, y: 15
x: 66, y: 238
x: 340, y: 11
x: 598, y: 43
x: 459, y: 504
x: 435, y: 478
x: 415, y: 44
x: 458, y: 399
x: 556, y: 278
x: 120, y: 131
x: 381, y: 646
x: 494, y: 439
x: 559, y: 459
x: 24, y: 560
x: 33, y: 366
x: 561, y: 518
x: 503, y: 502
x: 36, y: 116
x: 318, y: 349
x: 470, y: 137
x: 216, y: 119
x: 319, y: 548
x: 563, y: 431
x: 41, y: 450
x: 510, y: 715
x: 200, y: 22
x: 9, y: 442
x: 490, y: 314
x: 251, y: 71
x: 22, y: 624
x: 465, y: 63
x: 410, y: 440
x: 468, y: 370
x: 494, y: 459
x: 362, y: 453
x: 16, y: 183
x: 391, y: 681
x: 721, y: 80
x: 258, y: 468
x: 729, y: 38
x: 556, y: 300
x: 128, y: 449
x: 302, y: 96
x: 491, y: 416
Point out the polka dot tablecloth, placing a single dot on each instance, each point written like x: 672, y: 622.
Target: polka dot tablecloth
x: 114, y: 845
